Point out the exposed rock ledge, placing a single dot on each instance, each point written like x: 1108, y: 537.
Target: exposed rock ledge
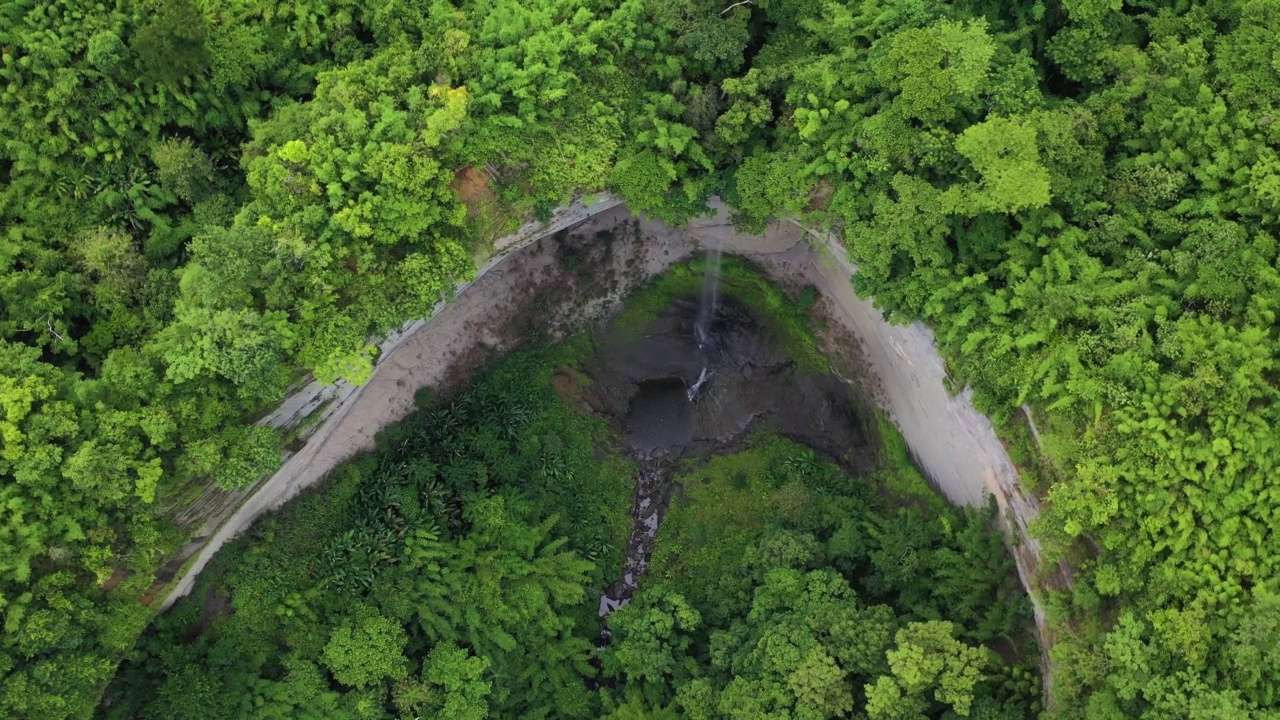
x: 955, y: 445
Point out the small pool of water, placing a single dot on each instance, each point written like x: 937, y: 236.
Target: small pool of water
x: 660, y: 416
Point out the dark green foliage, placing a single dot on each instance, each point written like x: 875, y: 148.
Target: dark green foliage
x: 782, y: 587
x: 456, y: 570
x: 172, y: 44
x: 202, y: 200
x: 445, y: 572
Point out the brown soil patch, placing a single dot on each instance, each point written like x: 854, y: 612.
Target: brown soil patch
x: 472, y: 186
x: 573, y: 388
x: 820, y: 197
x: 486, y: 213
x: 117, y: 577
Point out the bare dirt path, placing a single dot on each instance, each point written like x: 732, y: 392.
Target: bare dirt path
x: 955, y: 445
x: 421, y: 354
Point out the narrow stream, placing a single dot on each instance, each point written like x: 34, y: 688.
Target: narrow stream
x: 646, y: 516
x: 701, y: 377
x: 660, y: 426
x: 661, y: 419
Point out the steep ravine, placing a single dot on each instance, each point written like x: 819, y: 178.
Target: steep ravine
x: 955, y: 445
x: 697, y: 383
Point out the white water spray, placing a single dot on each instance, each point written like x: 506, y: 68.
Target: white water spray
x: 703, y: 377
x: 706, y: 315
x: 710, y: 297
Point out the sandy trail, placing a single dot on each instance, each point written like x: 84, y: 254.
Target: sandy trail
x: 955, y: 445
x: 421, y: 354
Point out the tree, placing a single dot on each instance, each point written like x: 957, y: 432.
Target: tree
x: 938, y: 70
x: 1005, y: 154
x: 112, y: 262
x: 652, y: 639
x: 182, y: 168
x: 367, y: 649
x: 303, y: 693
x: 1254, y: 648
x: 771, y: 186
x: 172, y: 44
x: 796, y: 651
x: 503, y: 590
x: 246, y: 348
x: 927, y: 657
x: 352, y: 188
x: 457, y: 678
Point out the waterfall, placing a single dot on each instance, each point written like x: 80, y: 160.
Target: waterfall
x: 710, y: 296
x: 703, y: 377
x: 706, y: 315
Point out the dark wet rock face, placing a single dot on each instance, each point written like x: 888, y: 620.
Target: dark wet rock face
x: 645, y: 381
x: 660, y: 416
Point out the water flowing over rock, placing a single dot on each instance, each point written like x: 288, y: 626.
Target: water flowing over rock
x: 954, y: 445
x: 646, y: 514
x: 710, y: 296
x: 697, y: 382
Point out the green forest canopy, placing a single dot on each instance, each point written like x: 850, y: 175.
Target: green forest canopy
x: 456, y: 572
x: 203, y: 200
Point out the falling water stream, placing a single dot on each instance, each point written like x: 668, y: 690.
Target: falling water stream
x: 651, y: 480
x: 703, y: 377
x: 707, y: 302
x: 710, y: 297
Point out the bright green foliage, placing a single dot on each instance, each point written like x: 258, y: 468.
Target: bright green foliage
x: 346, y: 183
x: 654, y: 638
x: 766, y: 184
x: 107, y: 469
x: 936, y: 71
x: 462, y: 689
x: 749, y: 111
x: 926, y: 657
x: 784, y: 658
x: 776, y: 564
x: 1004, y: 152
x: 366, y: 649
x: 119, y: 120
x: 243, y: 347
x: 202, y: 200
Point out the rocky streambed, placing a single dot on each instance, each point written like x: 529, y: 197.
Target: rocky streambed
x: 548, y: 283
x: 676, y: 393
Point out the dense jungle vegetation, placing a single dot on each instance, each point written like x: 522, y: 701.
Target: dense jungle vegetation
x: 203, y: 200
x: 456, y: 572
